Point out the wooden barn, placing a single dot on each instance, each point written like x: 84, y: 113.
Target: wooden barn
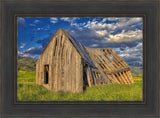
x: 66, y: 65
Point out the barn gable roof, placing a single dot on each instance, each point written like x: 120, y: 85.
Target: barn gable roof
x: 79, y: 47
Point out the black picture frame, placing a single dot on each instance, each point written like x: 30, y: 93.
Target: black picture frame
x: 149, y: 107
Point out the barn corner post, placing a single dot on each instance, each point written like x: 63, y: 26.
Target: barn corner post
x: 81, y: 76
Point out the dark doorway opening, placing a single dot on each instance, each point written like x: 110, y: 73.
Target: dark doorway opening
x: 46, y: 74
x: 85, y: 82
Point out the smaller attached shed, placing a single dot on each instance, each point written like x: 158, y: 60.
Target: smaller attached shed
x: 66, y: 65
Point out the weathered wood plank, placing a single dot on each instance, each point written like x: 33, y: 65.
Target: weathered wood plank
x: 89, y: 76
x: 77, y: 69
x: 128, y: 82
x: 66, y: 68
x: 80, y: 74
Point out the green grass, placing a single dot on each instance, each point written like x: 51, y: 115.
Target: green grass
x: 26, y: 76
x: 28, y: 90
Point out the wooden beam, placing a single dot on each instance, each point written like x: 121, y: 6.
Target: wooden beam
x: 89, y: 76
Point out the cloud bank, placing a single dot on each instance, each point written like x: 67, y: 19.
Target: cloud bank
x: 123, y: 34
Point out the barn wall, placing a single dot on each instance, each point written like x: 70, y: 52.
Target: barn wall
x: 65, y: 68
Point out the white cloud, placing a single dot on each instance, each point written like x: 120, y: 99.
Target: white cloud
x: 31, y: 51
x: 131, y: 53
x: 67, y: 19
x: 127, y: 22
x: 119, y: 19
x: 104, y: 20
x: 121, y: 23
x: 36, y: 21
x: 101, y: 32
x: 22, y: 45
x: 128, y: 36
x: 32, y: 25
x: 95, y: 25
x: 23, y: 54
x: 105, y: 37
x: 77, y: 24
x: 72, y: 21
x: 39, y: 28
x: 113, y: 19
x: 53, y: 20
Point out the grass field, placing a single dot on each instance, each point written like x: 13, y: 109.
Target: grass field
x: 28, y: 90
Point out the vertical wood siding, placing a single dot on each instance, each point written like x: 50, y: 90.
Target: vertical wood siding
x: 65, y: 68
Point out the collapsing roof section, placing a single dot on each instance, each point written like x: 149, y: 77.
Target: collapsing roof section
x: 110, y: 67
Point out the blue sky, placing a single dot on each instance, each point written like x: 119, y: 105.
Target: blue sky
x: 123, y: 34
